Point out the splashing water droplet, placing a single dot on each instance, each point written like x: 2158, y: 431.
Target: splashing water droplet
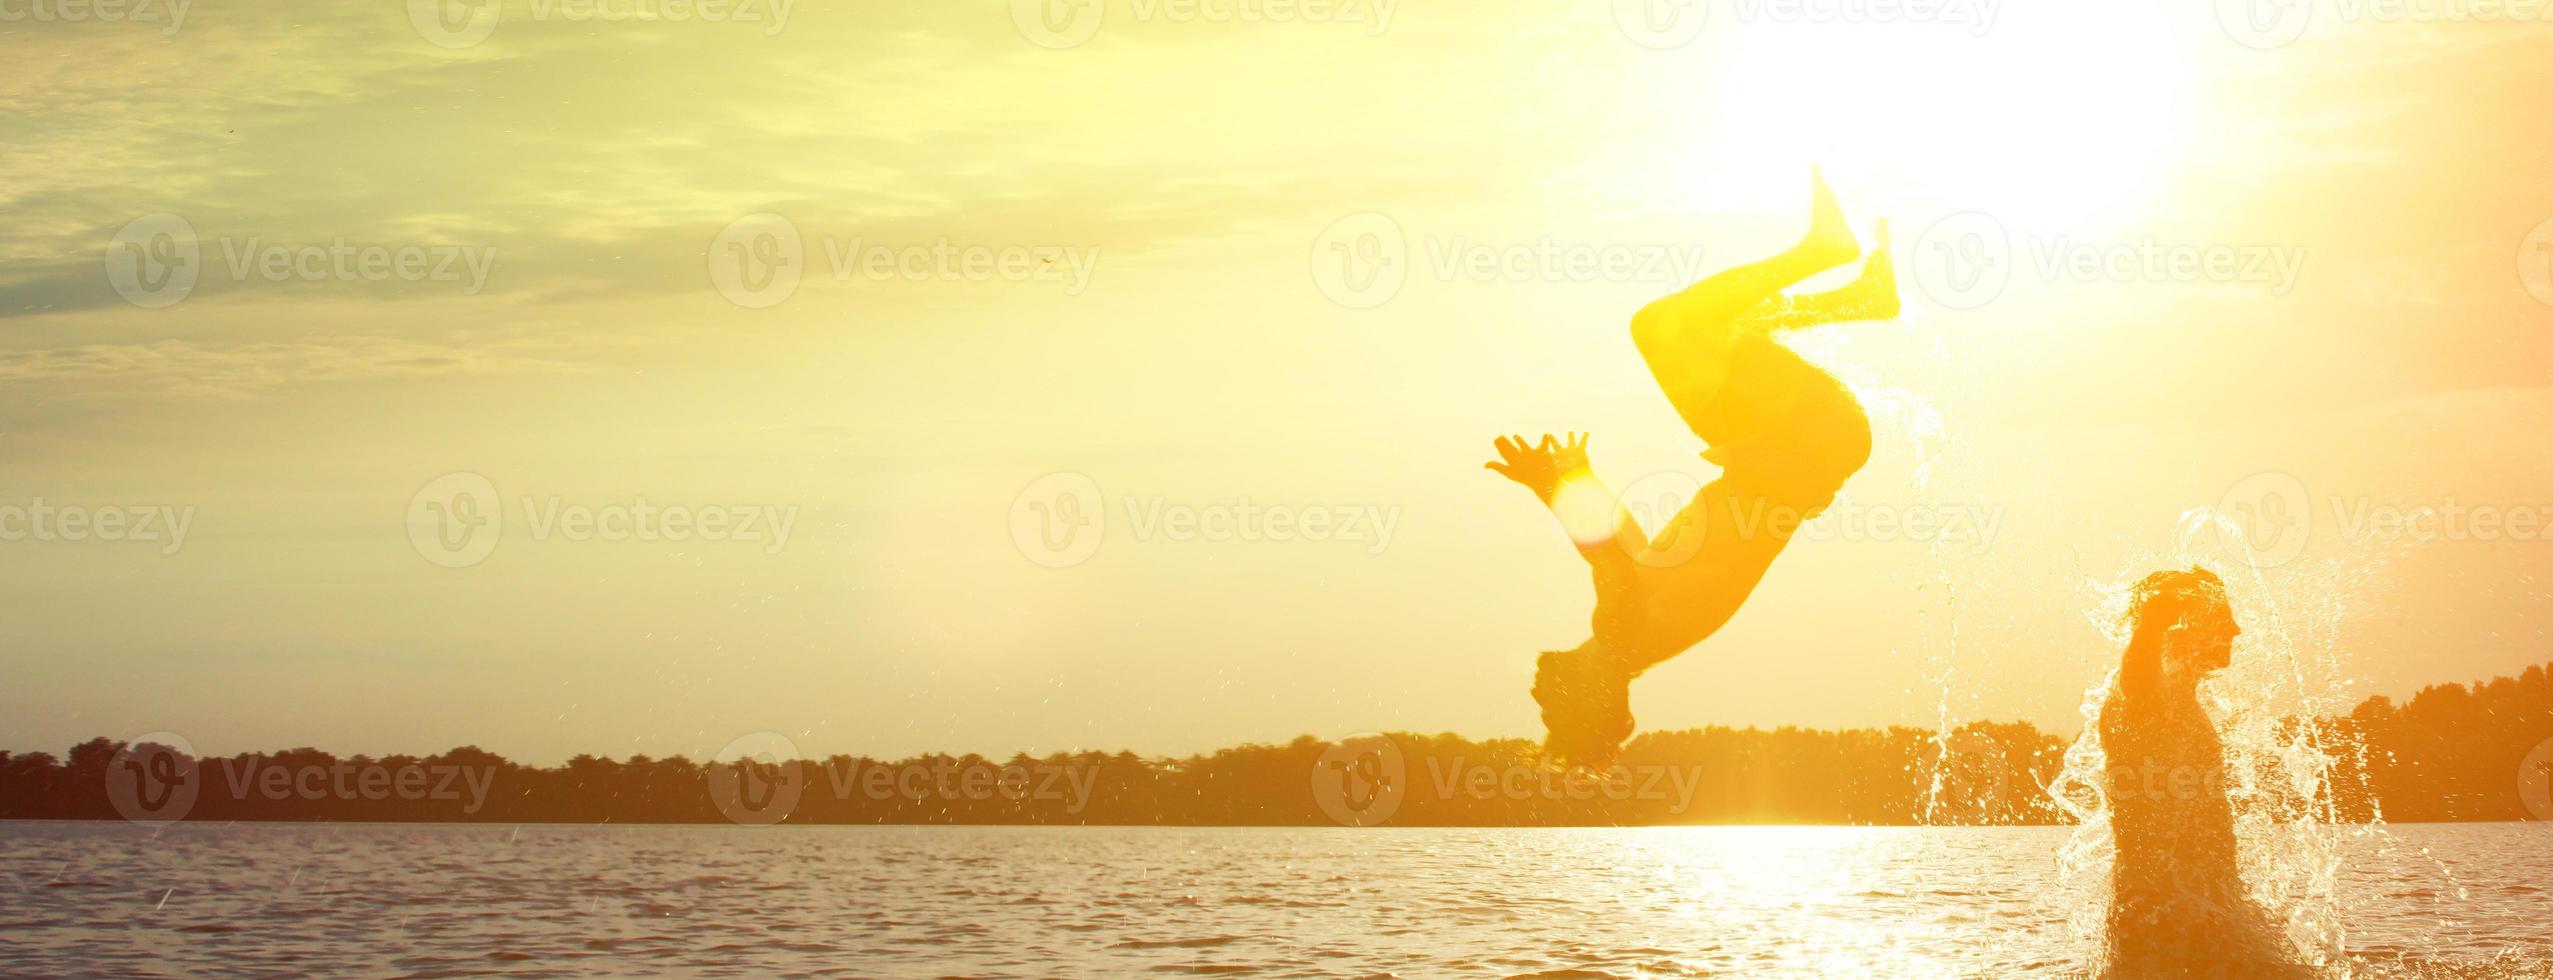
x: 2294, y: 779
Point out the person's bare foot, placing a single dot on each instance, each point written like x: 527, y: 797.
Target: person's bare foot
x: 1830, y: 240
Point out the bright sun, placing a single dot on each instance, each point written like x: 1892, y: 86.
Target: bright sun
x: 2024, y: 120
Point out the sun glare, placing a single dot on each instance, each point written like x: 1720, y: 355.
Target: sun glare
x: 1585, y: 510
x: 2017, y: 120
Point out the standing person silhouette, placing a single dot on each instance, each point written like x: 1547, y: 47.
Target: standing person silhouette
x: 2177, y: 902
x: 1785, y: 434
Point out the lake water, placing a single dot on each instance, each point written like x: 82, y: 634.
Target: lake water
x: 119, y: 899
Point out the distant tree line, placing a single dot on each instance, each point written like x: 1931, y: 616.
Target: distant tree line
x: 2457, y: 752
x: 2453, y: 752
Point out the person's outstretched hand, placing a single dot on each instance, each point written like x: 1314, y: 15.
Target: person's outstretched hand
x: 1529, y: 464
x: 1569, y: 456
x: 1540, y: 466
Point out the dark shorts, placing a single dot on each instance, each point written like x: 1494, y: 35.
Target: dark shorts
x: 1787, y: 430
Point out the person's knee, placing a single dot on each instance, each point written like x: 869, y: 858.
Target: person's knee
x: 1652, y: 327
x: 1856, y: 440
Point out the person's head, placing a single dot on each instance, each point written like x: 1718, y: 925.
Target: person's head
x: 1586, y: 707
x: 2185, y: 613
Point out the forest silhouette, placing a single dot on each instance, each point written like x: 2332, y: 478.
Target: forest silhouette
x: 2451, y: 753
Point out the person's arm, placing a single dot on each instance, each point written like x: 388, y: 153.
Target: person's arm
x: 1601, y: 528
x: 2141, y: 667
x: 1559, y: 475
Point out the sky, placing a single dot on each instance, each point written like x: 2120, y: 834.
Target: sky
x: 637, y: 377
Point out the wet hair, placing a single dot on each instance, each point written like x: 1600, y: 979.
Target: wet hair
x: 2173, y: 597
x: 1586, y: 707
x: 2176, y: 596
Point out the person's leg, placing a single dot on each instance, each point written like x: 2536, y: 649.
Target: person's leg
x: 1692, y: 578
x: 1765, y: 389
x: 1686, y: 337
x: 1701, y: 568
x: 1871, y: 296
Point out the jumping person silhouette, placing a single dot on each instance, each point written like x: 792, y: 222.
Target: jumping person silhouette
x: 1784, y: 433
x: 2177, y: 902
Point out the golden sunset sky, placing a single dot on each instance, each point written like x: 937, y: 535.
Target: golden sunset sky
x: 2154, y: 261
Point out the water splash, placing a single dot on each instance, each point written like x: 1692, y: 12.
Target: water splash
x: 2292, y: 776
x: 1964, y: 772
x: 1963, y: 777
